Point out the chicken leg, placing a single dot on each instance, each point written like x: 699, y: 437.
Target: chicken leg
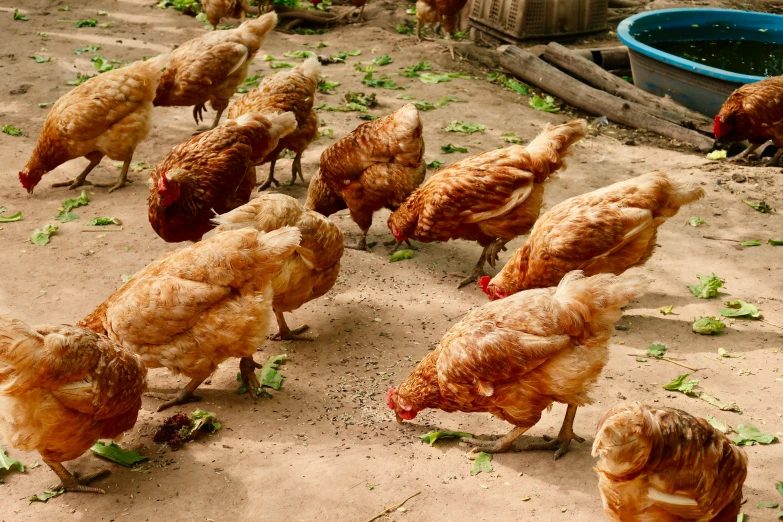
x: 488, y: 255
x: 78, y: 181
x: 122, y: 180
x: 185, y: 395
x: 396, y: 244
x: 361, y: 244
x: 286, y: 334
x: 775, y: 160
x: 494, y: 446
x: 69, y: 482
x: 296, y: 168
x: 563, y: 439
x: 270, y: 178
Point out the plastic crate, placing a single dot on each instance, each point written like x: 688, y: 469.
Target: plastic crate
x: 517, y: 20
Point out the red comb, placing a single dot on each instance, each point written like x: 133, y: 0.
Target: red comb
x: 484, y: 284
x: 389, y: 401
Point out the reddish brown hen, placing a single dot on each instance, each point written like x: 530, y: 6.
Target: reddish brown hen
x: 288, y: 91
x: 514, y: 358
x: 61, y: 389
x: 211, y: 173
x: 217, y: 9
x: 491, y: 198
x: 754, y: 112
x: 665, y: 465
x: 376, y: 166
x: 608, y: 230
x: 445, y: 12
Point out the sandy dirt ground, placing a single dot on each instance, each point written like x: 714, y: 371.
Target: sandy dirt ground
x: 326, y: 447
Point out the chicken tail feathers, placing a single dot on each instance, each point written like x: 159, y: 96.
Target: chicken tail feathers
x: 282, y: 124
x: 588, y: 306
x: 311, y: 68
x: 19, y: 349
x: 254, y: 31
x: 280, y: 243
x: 682, y: 192
x: 550, y: 148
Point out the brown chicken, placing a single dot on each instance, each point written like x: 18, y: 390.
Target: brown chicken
x: 445, y: 12
x: 514, y: 358
x: 664, y: 465
x: 359, y: 4
x: 108, y: 115
x: 754, y: 112
x: 213, y: 172
x: 491, y: 198
x: 308, y: 274
x: 608, y: 230
x: 217, y: 9
x: 211, y: 67
x: 61, y: 389
x: 290, y: 91
x: 196, y: 307
x: 377, y: 165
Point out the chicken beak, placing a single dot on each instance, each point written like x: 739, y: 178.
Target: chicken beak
x: 30, y: 191
x: 399, y: 419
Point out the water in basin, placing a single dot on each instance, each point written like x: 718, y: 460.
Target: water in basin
x: 739, y: 56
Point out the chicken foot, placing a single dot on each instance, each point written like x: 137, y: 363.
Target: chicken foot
x: 198, y: 114
x: 361, y: 244
x: 78, y: 181
x: 122, y: 180
x: 286, y: 334
x: 270, y: 178
x: 774, y: 161
x: 396, y: 244
x: 494, y: 446
x: 488, y: 255
x: 183, y: 396
x: 247, y: 370
x: 563, y: 439
x: 70, y: 482
x: 296, y: 166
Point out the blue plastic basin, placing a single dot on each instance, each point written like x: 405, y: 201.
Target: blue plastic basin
x: 698, y: 87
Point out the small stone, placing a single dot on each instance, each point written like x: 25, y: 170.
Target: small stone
x: 621, y: 396
x: 630, y: 142
x: 525, y: 499
x: 739, y: 178
x: 402, y: 509
x: 563, y: 510
x: 621, y: 327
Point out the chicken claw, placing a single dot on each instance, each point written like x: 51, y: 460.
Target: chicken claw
x: 493, y: 251
x: 198, y: 113
x: 493, y: 446
x: 73, y: 483
x: 475, y: 275
x: 185, y: 395
x: 247, y: 369
x: 286, y: 334
x: 563, y: 439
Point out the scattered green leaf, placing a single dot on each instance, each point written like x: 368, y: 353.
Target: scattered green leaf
x: 740, y: 308
x: 723, y: 352
x: 424, y: 105
x: 371, y: 68
x: 299, y: 54
x: 724, y: 406
x: 360, y: 98
x: 103, y: 65
x: 708, y: 326
x: 466, y: 128
x: 716, y: 155
x: 13, y: 131
x: 9, y: 219
x: 444, y: 102
x: 434, y: 435
x: 41, y: 59
x: 656, y: 350
x: 412, y: 71
x: 482, y: 464
x: 428, y: 77
x: 695, y: 221
x: 249, y: 83
x: 306, y: 31
x: 400, y: 255
x: 435, y: 164
x: 708, y: 286
x: 755, y: 242
x: 369, y: 117
x: 90, y: 22
x: 8, y: 464
x: 80, y: 79
x: 448, y: 149
x: 383, y: 82
x: 280, y: 65
x: 64, y: 9
x: 718, y: 425
x: 405, y: 97
x: 110, y: 23
x: 511, y: 137
x: 269, y: 58
x: 40, y: 236
x: 411, y: 11
x: 103, y: 13
x: 19, y: 16
x: 66, y: 217
x: 103, y: 221
x: 329, y: 133
x: 405, y: 29
x: 761, y: 206
x: 681, y: 385
x: 88, y: 49
x: 767, y: 505
x: 517, y: 87
x: 742, y: 517
x: 749, y: 435
x: 115, y: 453
x: 44, y: 105
x: 46, y: 495
x: 775, y: 242
x: 43, y: 35
x: 382, y: 60
x: 81, y: 201
x: 327, y: 87
x: 201, y: 17
x: 543, y: 104
x: 666, y: 311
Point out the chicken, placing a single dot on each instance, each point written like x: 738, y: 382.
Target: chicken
x: 305, y: 276
x: 359, y: 4
x: 445, y: 12
x: 196, y: 307
x: 608, y: 230
x: 377, y: 165
x: 213, y: 172
x: 491, y: 198
x: 61, y: 389
x: 754, y: 112
x: 217, y: 9
x: 514, y: 358
x: 289, y: 91
x: 211, y: 67
x: 664, y: 465
x: 108, y: 115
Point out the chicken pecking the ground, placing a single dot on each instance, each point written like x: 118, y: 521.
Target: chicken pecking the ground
x: 444, y: 12
x: 217, y: 9
x: 608, y: 230
x: 665, y: 465
x: 211, y: 67
x: 514, y: 358
x: 376, y: 166
x: 754, y: 112
x: 213, y: 172
x: 290, y: 91
x: 61, y: 389
x: 196, y: 307
x: 108, y: 115
x: 304, y: 276
x: 491, y: 198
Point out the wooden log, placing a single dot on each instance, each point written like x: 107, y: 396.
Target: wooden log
x: 608, y: 57
x: 319, y: 17
x: 599, y: 78
x: 554, y: 81
x: 622, y: 4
